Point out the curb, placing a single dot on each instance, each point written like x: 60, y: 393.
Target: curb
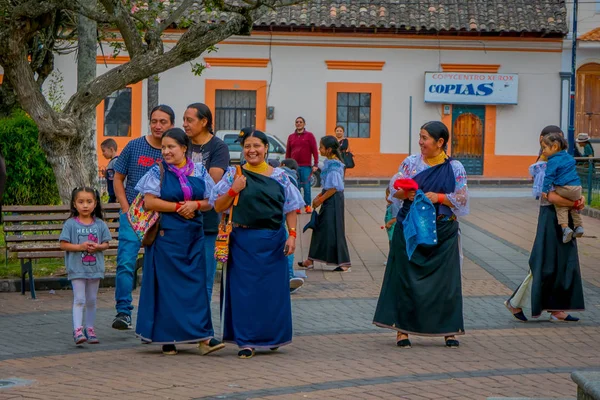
x: 591, y: 212
x: 62, y: 283
x: 376, y: 182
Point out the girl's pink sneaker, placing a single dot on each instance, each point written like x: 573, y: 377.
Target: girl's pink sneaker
x: 78, y: 336
x: 90, y: 334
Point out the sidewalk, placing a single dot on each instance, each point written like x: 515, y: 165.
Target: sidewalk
x: 337, y: 353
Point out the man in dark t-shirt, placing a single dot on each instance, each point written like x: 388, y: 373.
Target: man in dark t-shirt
x: 135, y: 160
x: 214, y: 154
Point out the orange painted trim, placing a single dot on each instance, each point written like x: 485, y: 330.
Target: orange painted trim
x: 212, y: 85
x: 375, y: 165
x: 492, y: 68
x: 136, y: 123
x: 447, y: 120
x: 355, y: 65
x: 357, y: 145
x: 375, y: 46
x: 112, y: 60
x: 237, y: 62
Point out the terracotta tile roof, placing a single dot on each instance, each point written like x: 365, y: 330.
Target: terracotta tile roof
x: 424, y: 16
x: 591, y: 36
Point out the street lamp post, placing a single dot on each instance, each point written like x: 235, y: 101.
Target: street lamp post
x: 571, y: 131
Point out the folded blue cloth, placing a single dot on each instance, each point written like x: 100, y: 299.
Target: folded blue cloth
x: 419, y: 226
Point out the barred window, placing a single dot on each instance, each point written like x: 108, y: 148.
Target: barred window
x: 354, y: 114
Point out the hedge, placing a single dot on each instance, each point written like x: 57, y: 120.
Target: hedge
x: 30, y: 180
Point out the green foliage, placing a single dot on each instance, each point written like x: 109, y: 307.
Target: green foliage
x: 30, y: 177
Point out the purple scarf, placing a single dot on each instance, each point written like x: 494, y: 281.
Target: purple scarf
x: 182, y: 174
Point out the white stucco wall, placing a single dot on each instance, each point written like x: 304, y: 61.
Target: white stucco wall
x: 300, y: 76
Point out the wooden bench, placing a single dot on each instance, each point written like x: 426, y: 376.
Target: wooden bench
x: 32, y: 232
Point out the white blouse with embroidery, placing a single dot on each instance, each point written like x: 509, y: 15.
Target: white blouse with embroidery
x: 415, y: 164
x: 150, y: 183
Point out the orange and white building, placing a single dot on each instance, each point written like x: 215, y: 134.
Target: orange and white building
x: 382, y: 70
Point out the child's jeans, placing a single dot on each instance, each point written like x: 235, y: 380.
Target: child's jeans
x: 562, y: 213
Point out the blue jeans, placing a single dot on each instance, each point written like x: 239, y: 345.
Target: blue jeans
x: 211, y: 264
x: 127, y: 254
x: 304, y: 183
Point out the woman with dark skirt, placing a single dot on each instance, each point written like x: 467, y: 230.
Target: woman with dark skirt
x: 256, y: 305
x: 174, y: 304
x: 553, y: 283
x: 328, y: 243
x: 422, y: 295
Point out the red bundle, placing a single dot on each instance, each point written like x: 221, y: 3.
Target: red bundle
x: 406, y: 184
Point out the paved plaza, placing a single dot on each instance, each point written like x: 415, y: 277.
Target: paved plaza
x: 336, y: 353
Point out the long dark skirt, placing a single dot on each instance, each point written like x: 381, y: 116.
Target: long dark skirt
x: 423, y: 296
x: 328, y: 243
x: 174, y: 306
x: 258, y: 308
x: 554, y: 265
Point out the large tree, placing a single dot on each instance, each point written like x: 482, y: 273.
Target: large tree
x: 66, y: 135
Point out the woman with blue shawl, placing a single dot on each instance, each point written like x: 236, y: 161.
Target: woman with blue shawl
x: 256, y: 305
x: 422, y: 294
x: 174, y: 304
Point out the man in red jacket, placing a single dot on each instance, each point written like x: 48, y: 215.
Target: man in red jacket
x: 301, y: 146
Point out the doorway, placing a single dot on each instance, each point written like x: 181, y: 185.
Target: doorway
x: 467, y: 135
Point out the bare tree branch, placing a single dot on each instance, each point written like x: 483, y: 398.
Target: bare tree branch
x: 189, y: 47
x: 175, y: 15
x: 80, y: 8
x: 124, y: 22
x: 33, y: 9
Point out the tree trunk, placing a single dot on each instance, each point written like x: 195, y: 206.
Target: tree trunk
x: 152, y: 93
x: 85, y: 152
x: 73, y: 160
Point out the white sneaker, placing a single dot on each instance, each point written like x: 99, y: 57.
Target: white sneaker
x: 295, y: 284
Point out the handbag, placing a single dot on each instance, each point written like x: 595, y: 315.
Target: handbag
x: 225, y: 227
x: 349, y: 160
x: 145, y: 223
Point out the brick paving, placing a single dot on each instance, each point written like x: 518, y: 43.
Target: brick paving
x: 337, y: 353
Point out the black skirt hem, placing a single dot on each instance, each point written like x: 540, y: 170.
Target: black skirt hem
x: 241, y: 346
x: 395, y: 328
x: 191, y: 341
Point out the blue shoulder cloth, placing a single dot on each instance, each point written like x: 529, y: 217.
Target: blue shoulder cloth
x: 419, y: 226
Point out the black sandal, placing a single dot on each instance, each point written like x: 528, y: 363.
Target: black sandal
x: 169, y: 349
x: 452, y: 343
x: 341, y: 269
x: 302, y: 265
x: 403, y: 343
x: 246, y: 353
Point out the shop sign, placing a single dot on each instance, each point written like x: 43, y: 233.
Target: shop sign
x: 471, y: 88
